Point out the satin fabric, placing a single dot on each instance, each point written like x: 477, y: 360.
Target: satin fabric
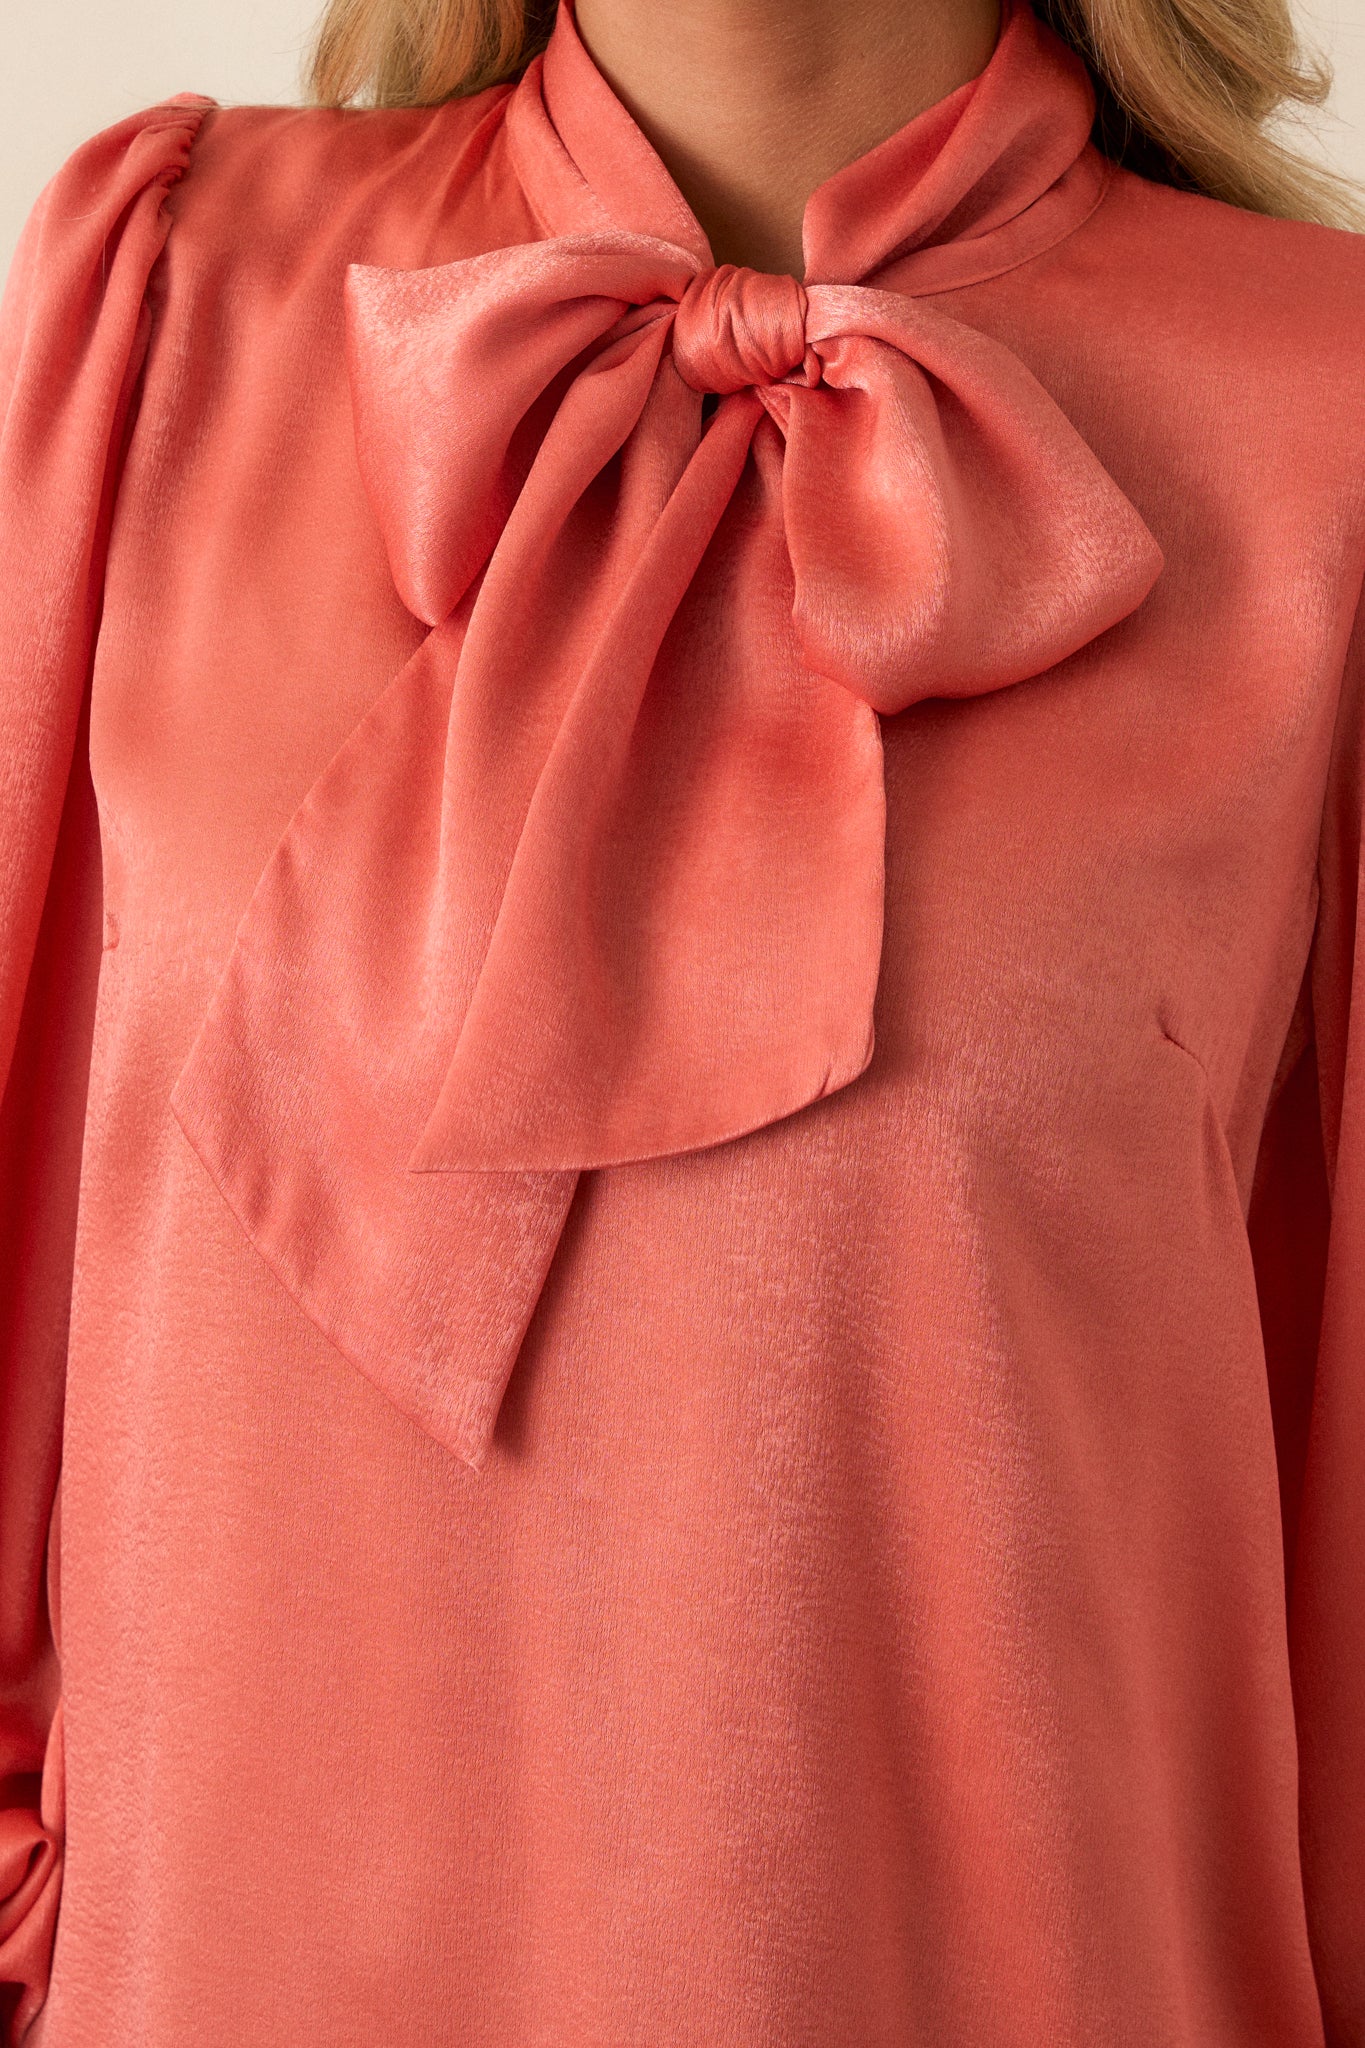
x: 915, y: 1592
x: 63, y: 407
x: 602, y: 877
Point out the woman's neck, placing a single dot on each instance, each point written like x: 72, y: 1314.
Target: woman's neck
x: 753, y: 103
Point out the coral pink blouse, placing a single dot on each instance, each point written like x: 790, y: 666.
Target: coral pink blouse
x: 684, y: 1153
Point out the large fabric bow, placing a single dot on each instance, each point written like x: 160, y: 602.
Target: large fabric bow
x: 600, y: 876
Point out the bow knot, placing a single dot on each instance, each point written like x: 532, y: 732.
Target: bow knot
x: 736, y: 327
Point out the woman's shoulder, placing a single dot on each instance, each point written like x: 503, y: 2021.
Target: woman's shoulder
x: 1245, y: 330
x: 337, y: 151
x: 270, y: 183
x: 264, y: 184
x: 89, y: 244
x: 146, y: 151
x: 1245, y: 279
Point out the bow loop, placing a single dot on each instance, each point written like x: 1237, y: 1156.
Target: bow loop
x: 949, y: 530
x: 454, y: 372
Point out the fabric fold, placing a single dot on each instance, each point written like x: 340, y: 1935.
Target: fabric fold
x: 600, y: 878
x: 73, y: 334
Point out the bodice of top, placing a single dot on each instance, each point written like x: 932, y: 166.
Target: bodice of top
x: 914, y: 1588
x: 611, y: 930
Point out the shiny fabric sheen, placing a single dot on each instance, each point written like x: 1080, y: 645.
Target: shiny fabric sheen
x: 914, y: 1595
x: 735, y: 327
x: 641, y: 931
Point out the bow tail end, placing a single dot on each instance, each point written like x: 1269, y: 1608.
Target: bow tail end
x: 424, y: 1282
x: 315, y: 1067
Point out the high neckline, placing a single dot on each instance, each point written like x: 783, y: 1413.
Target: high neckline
x: 988, y: 176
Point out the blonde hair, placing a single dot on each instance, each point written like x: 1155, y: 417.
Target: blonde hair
x: 1190, y: 91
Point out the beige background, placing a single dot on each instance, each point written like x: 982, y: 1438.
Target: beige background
x: 72, y: 66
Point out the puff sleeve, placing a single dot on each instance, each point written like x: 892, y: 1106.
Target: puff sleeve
x: 1307, y: 1226
x: 73, y: 330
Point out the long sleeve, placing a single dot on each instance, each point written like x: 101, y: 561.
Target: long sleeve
x: 73, y: 331
x: 1307, y: 1225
